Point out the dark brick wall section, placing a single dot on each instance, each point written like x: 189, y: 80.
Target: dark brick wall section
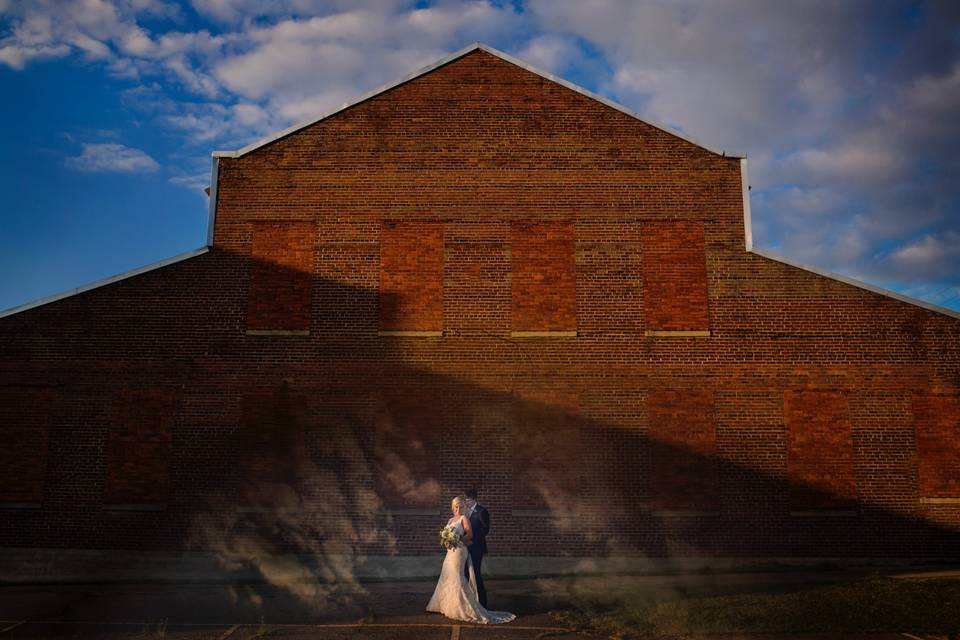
x: 139, y: 446
x: 820, y: 450
x: 545, y: 449
x: 544, y: 279
x: 281, y: 275
x: 675, y: 276
x: 24, y: 436
x: 937, y: 423
x: 272, y: 450
x: 683, y: 466
x: 411, y: 276
x: 407, y: 448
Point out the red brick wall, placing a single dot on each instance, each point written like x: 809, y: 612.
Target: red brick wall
x: 407, y: 449
x: 544, y: 449
x: 139, y: 446
x: 281, y: 275
x: 938, y: 444
x: 819, y: 450
x: 411, y: 276
x: 544, y: 277
x: 675, y: 276
x: 24, y: 436
x: 480, y: 146
x: 271, y: 452
x: 683, y: 470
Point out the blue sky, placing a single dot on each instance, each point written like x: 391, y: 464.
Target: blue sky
x: 849, y: 113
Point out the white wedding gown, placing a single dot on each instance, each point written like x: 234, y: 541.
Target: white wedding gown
x: 455, y: 596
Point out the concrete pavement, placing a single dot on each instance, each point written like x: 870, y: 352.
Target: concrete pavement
x: 376, y: 610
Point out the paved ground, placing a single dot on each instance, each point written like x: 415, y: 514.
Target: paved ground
x: 375, y: 611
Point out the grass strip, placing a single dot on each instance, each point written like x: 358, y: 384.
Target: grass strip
x: 877, y: 604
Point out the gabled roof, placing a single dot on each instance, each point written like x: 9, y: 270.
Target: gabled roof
x: 748, y: 236
x: 476, y: 46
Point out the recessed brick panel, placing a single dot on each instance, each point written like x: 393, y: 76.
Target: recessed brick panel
x: 281, y: 275
x: 407, y: 454
x: 544, y: 276
x: 411, y: 276
x: 674, y: 276
x: 545, y: 449
x: 24, y: 435
x: 139, y: 446
x: 937, y: 424
x: 272, y: 451
x: 682, y: 442
x: 820, y: 471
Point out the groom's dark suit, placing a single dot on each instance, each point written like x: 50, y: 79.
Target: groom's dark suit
x: 480, y: 523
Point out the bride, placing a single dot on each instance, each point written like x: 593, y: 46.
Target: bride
x: 454, y: 596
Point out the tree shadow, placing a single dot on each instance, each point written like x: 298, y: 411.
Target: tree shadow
x: 296, y: 456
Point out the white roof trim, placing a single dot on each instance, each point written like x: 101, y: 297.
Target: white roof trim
x: 450, y: 58
x: 212, y: 201
x: 105, y: 281
x: 745, y: 188
x: 748, y: 241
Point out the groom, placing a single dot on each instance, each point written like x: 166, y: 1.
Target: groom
x: 480, y: 523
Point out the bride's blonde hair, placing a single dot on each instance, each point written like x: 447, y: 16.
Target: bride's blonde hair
x: 459, y: 500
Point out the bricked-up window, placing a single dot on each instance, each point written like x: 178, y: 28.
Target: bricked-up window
x: 545, y: 449
x: 819, y: 450
x: 273, y: 456
x: 674, y: 276
x: 139, y: 446
x: 411, y: 276
x: 682, y: 441
x: 281, y: 276
x: 406, y: 452
x: 544, y: 277
x: 937, y: 424
x: 24, y: 434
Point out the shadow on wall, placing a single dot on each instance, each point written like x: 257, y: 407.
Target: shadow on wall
x: 299, y: 455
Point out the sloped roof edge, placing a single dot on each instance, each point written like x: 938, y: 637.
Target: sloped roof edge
x: 748, y: 245
x: 105, y: 281
x: 450, y: 58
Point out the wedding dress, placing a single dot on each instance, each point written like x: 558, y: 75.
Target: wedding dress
x: 455, y: 596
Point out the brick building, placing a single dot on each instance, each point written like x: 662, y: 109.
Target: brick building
x: 481, y: 275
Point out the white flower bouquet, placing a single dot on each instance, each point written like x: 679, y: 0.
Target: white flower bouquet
x: 449, y: 538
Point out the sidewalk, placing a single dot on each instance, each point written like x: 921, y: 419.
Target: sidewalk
x: 381, y: 610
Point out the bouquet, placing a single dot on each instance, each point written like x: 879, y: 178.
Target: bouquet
x: 449, y: 538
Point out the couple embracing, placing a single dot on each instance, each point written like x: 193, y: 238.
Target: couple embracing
x: 460, y: 593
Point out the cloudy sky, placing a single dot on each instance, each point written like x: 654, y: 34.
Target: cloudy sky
x: 848, y: 111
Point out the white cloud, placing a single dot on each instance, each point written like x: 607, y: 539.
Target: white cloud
x: 549, y: 52
x: 310, y: 107
x: 18, y: 56
x: 316, y: 63
x: 111, y: 157
x: 249, y: 115
x: 810, y: 201
x: 233, y: 12
x: 933, y: 256
x: 195, y: 183
x: 849, y: 161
